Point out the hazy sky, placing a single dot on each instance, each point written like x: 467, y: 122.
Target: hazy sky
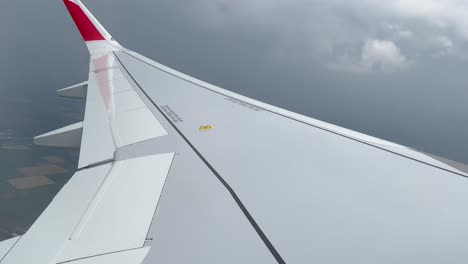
x: 395, y: 69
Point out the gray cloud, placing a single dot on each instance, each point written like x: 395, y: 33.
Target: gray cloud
x: 330, y: 32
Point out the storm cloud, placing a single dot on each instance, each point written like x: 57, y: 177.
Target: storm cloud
x: 346, y: 34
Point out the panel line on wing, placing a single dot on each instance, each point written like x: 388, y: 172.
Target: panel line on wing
x: 242, y: 207
x: 97, y: 164
x: 99, y: 255
x: 8, y: 251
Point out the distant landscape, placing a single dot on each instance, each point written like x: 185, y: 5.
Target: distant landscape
x: 30, y: 177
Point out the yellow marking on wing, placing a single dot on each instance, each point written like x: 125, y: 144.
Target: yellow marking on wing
x: 205, y: 128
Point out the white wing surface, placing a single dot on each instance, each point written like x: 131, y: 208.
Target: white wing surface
x: 175, y: 170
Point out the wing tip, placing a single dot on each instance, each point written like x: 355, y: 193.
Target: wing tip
x: 87, y: 25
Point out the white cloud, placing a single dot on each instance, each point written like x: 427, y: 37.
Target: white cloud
x: 382, y: 55
x: 445, y: 42
x: 376, y: 56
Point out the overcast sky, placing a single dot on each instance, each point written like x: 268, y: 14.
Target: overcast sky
x: 395, y: 69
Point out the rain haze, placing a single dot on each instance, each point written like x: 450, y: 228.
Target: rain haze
x: 392, y: 69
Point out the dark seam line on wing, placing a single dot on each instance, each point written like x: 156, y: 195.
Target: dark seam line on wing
x: 249, y: 217
x: 99, y: 255
x: 8, y: 252
x: 97, y: 164
x: 305, y: 123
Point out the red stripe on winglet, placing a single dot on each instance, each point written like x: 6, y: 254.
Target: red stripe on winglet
x: 88, y: 31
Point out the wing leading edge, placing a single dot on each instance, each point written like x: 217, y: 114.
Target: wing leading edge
x: 175, y: 170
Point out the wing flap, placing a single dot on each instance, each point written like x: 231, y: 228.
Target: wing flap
x: 101, y: 210
x: 51, y: 231
x: 120, y: 215
x: 135, y: 126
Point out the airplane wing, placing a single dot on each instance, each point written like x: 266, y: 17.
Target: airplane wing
x: 175, y: 170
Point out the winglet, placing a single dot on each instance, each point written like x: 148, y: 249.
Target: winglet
x: 90, y: 28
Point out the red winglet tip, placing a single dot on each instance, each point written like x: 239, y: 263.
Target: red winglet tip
x: 88, y: 30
